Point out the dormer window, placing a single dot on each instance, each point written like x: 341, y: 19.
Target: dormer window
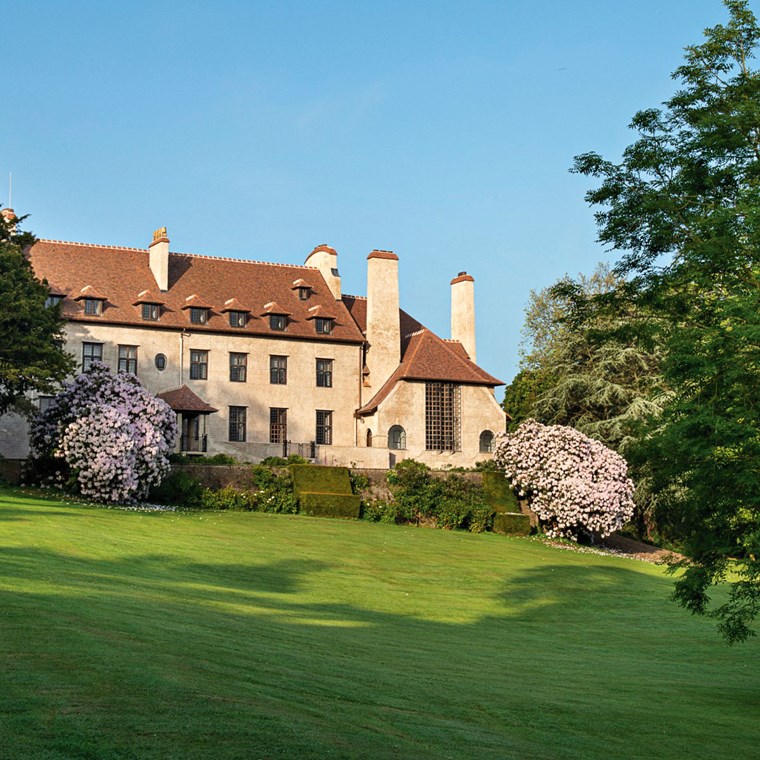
x: 150, y: 311
x: 237, y: 318
x: 278, y: 322
x: 198, y: 316
x: 93, y: 301
x: 53, y: 300
x: 303, y: 294
x: 323, y: 325
x: 93, y: 307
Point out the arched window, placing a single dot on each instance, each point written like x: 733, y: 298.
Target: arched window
x: 486, y: 442
x: 369, y: 439
x: 397, y: 437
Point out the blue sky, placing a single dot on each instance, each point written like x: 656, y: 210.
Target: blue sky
x: 443, y: 131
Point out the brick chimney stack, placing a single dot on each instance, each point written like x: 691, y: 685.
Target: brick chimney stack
x: 383, y: 326
x: 159, y: 258
x: 325, y: 259
x: 463, y: 312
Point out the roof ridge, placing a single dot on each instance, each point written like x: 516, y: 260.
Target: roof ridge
x: 93, y: 245
x: 358, y: 298
x: 180, y: 253
x: 242, y: 261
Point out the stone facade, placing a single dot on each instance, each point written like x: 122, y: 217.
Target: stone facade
x: 278, y: 352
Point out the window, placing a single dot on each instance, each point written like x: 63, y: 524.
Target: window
x: 303, y: 294
x: 442, y: 420
x: 324, y: 427
x: 324, y: 373
x: 397, y: 438
x: 198, y: 316
x: 150, y: 311
x: 238, y: 367
x: 324, y: 326
x: 93, y: 306
x: 278, y: 425
x: 237, y: 423
x: 199, y: 365
x: 237, y: 318
x: 44, y: 402
x: 91, y: 352
x: 160, y: 362
x: 277, y: 322
x: 128, y: 359
x: 53, y: 300
x: 369, y: 439
x: 486, y: 442
x: 278, y: 370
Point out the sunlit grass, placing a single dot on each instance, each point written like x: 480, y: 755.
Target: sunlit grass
x: 239, y: 635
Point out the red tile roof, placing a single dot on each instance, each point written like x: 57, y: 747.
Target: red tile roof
x: 463, y: 277
x: 427, y: 357
x: 182, y: 399
x: 122, y: 273
x: 232, y: 304
x: 146, y: 296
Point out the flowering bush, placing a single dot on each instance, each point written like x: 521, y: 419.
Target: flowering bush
x: 574, y: 484
x: 104, y: 436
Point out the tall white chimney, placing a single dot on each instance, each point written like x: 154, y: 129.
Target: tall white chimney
x: 159, y: 258
x: 383, y: 326
x: 463, y: 312
x: 325, y: 259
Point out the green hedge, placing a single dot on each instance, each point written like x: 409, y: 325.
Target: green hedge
x: 498, y: 493
x: 308, y: 478
x: 329, y: 504
x: 511, y: 524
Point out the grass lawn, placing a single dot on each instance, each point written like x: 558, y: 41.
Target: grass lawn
x: 240, y: 635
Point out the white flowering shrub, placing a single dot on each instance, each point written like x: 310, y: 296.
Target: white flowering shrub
x: 574, y: 484
x: 104, y: 436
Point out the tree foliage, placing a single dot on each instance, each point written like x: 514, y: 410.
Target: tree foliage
x: 683, y: 206
x: 594, y: 373
x: 104, y: 436
x: 32, y: 355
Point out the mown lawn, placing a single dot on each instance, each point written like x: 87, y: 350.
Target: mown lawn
x: 238, y: 635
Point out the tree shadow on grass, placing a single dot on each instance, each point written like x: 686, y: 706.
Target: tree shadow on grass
x: 151, y: 656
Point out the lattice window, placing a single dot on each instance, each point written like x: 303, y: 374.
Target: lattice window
x: 324, y: 373
x: 91, y: 352
x: 278, y: 425
x: 442, y: 417
x: 397, y: 438
x: 237, y: 423
x: 128, y: 359
x: 324, y: 427
x: 198, y: 365
x: 238, y: 367
x: 278, y: 370
x: 486, y: 442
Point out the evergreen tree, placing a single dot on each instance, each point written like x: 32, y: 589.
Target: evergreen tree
x: 32, y: 355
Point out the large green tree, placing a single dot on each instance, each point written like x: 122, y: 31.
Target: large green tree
x: 32, y: 355
x: 591, y: 373
x: 683, y: 206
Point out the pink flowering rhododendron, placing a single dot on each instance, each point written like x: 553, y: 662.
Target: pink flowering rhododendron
x: 574, y: 484
x: 105, y: 436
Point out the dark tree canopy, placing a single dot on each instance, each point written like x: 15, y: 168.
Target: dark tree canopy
x: 683, y: 207
x: 32, y: 355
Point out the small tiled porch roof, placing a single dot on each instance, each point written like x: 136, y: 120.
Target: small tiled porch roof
x: 182, y: 399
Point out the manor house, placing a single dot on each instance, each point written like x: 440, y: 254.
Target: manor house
x: 261, y: 359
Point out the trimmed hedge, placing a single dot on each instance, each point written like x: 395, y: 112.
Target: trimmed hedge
x: 309, y: 478
x: 499, y: 493
x: 512, y: 524
x: 329, y: 504
x: 325, y: 491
